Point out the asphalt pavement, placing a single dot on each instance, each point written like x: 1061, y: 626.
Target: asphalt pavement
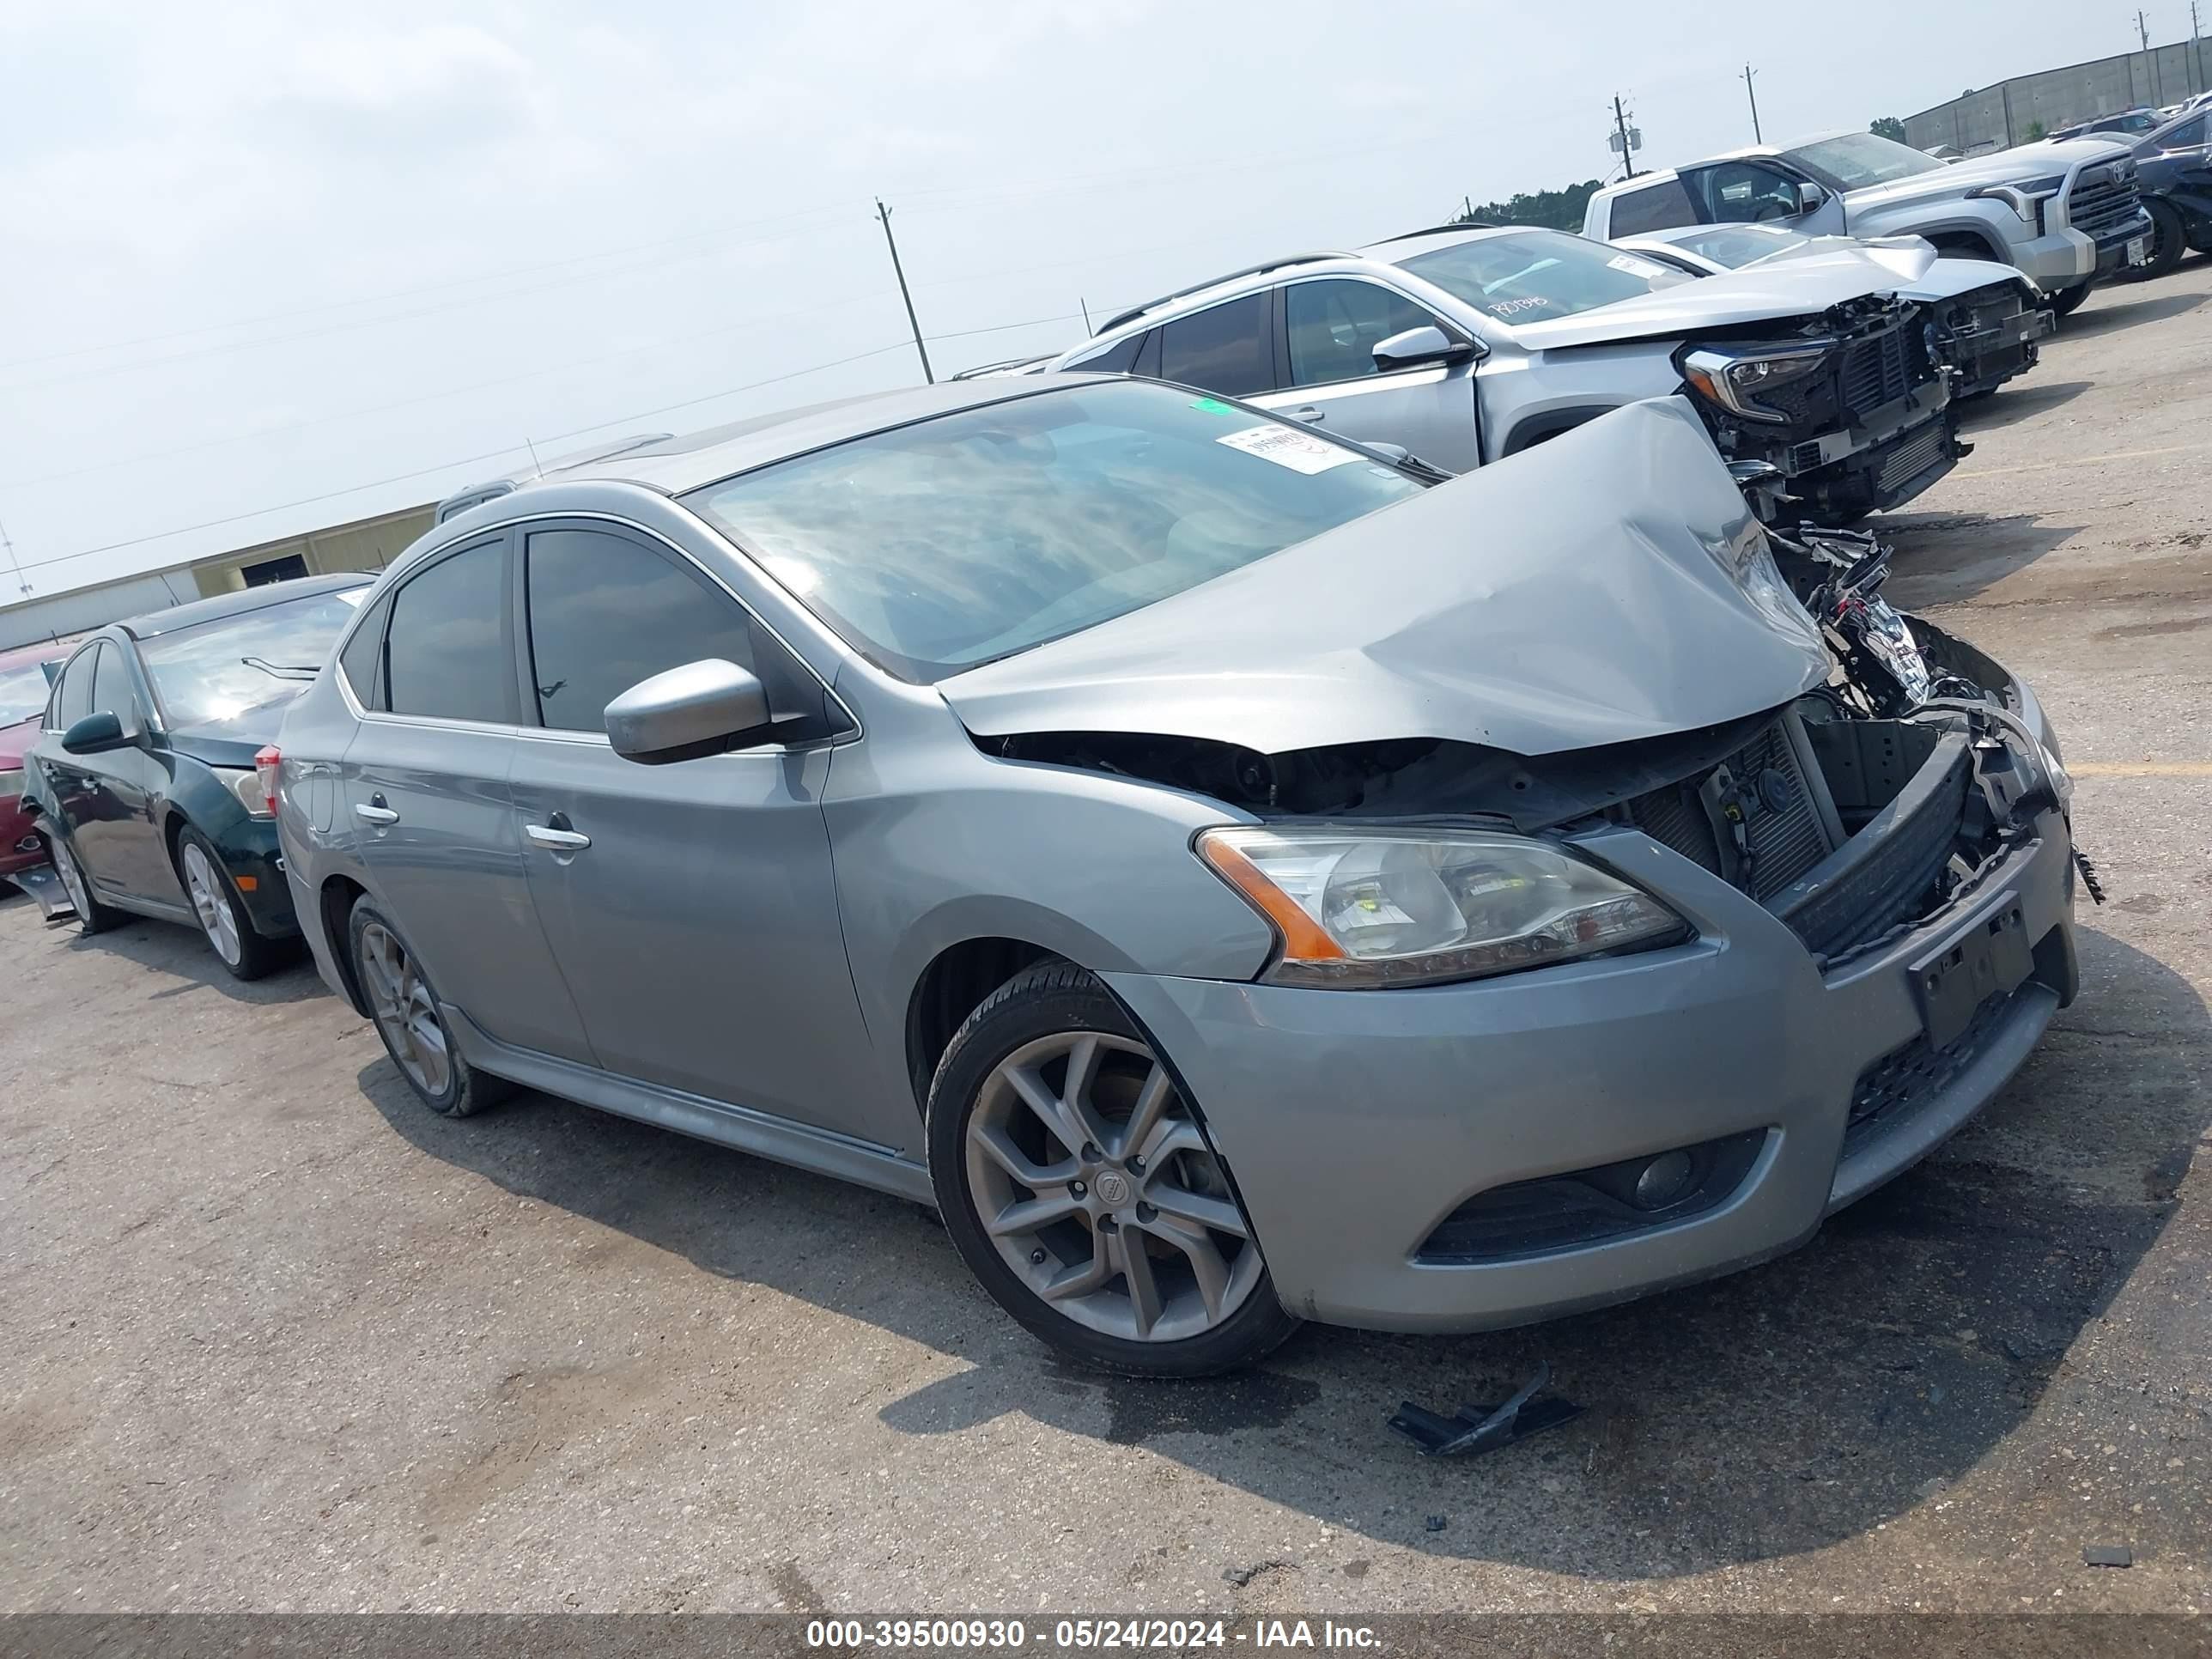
x: 272, y: 1336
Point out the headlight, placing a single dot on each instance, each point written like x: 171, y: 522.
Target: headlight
x: 1735, y: 380
x: 11, y: 783
x: 247, y: 786
x: 2023, y: 198
x: 1375, y: 907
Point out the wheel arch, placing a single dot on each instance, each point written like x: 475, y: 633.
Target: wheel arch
x: 1534, y: 430
x: 334, y: 902
x: 957, y: 981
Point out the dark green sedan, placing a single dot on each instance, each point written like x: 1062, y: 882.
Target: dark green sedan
x: 144, y: 780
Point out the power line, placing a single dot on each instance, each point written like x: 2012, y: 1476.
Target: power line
x: 231, y: 347
x: 459, y: 460
x: 424, y: 288
x: 517, y: 449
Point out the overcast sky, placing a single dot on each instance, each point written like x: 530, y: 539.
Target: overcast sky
x: 255, y: 254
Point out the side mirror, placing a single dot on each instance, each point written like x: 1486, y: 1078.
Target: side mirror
x: 95, y: 734
x: 702, y: 707
x: 1811, y: 198
x: 1412, y: 347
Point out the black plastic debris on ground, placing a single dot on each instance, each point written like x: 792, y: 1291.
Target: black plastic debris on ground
x: 1475, y: 1429
x: 2107, y: 1555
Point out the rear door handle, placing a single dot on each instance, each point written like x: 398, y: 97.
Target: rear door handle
x: 376, y: 814
x: 1310, y: 415
x: 561, y: 841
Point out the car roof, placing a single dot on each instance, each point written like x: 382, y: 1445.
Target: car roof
x: 691, y: 461
x: 155, y: 623
x: 1396, y: 251
x: 23, y: 656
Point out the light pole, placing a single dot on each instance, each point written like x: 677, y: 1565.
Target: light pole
x: 1757, y: 137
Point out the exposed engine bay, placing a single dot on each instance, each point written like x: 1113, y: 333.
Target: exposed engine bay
x: 1856, y: 809
x: 1849, y: 406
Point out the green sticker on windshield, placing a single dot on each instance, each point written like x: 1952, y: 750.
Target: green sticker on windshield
x: 1213, y: 406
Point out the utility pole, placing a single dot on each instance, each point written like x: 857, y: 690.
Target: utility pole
x: 1620, y: 137
x: 2196, y: 47
x: 14, y: 564
x: 1757, y: 137
x: 2143, y: 29
x: 898, y: 270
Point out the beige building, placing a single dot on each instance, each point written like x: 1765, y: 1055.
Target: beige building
x: 364, y: 544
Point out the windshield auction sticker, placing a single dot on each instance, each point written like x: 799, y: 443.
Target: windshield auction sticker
x: 1286, y: 446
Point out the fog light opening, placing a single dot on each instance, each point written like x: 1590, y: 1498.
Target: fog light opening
x: 1663, y: 1180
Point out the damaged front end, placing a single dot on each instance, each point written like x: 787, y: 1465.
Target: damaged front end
x: 1986, y: 336
x: 1851, y: 406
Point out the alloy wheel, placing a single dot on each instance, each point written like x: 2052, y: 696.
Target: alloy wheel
x: 72, y: 879
x: 213, y: 905
x: 400, y: 1002
x: 1099, y: 1191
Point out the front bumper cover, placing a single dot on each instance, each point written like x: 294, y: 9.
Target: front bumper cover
x: 1354, y: 1122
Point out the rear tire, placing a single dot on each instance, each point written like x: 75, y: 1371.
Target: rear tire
x: 92, y: 916
x: 410, y: 1020
x: 224, y: 919
x: 1081, y: 1187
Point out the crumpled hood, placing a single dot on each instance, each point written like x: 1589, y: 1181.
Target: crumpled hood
x: 1778, y: 290
x: 1567, y: 598
x: 1921, y: 273
x: 2003, y: 167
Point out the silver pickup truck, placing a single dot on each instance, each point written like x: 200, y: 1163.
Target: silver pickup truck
x: 2064, y: 214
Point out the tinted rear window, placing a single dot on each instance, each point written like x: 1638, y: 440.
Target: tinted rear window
x: 214, y: 669
x: 446, y: 651
x: 1655, y: 207
x: 1225, y: 349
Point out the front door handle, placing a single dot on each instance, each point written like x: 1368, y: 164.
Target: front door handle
x: 560, y: 839
x: 378, y: 815
x: 1310, y: 415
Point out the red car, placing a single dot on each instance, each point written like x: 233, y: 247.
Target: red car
x: 23, y: 687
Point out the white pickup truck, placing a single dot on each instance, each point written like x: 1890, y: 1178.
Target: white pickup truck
x: 2064, y: 213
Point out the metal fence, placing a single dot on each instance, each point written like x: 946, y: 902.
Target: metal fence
x: 1998, y: 116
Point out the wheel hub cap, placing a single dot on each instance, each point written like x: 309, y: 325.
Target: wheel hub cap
x: 1098, y: 1188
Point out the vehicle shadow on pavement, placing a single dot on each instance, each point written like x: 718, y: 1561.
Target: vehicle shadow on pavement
x: 1947, y: 558
x: 181, y: 954
x: 1778, y: 1411
x: 2016, y: 404
x: 2127, y: 313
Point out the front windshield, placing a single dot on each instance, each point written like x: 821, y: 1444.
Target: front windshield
x: 1857, y: 159
x: 202, y: 672
x: 1533, y: 275
x: 1738, y: 245
x: 942, y: 544
x: 22, y: 694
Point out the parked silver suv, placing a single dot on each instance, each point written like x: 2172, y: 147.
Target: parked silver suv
x: 2065, y: 213
x: 1232, y: 880
x: 1465, y: 345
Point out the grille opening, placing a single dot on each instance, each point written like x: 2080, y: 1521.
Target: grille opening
x: 1843, y: 829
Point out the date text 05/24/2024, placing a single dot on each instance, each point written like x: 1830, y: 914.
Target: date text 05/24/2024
x: 1072, y: 1635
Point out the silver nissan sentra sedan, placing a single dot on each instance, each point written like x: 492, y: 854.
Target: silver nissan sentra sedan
x: 1235, y: 879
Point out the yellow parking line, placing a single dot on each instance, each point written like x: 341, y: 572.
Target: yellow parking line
x: 2140, y: 769
x: 2085, y: 461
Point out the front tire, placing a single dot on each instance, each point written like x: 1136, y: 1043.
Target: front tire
x: 92, y: 916
x: 2169, y: 241
x: 1081, y: 1189
x: 221, y: 911
x: 409, y: 1017
x: 2067, y: 300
